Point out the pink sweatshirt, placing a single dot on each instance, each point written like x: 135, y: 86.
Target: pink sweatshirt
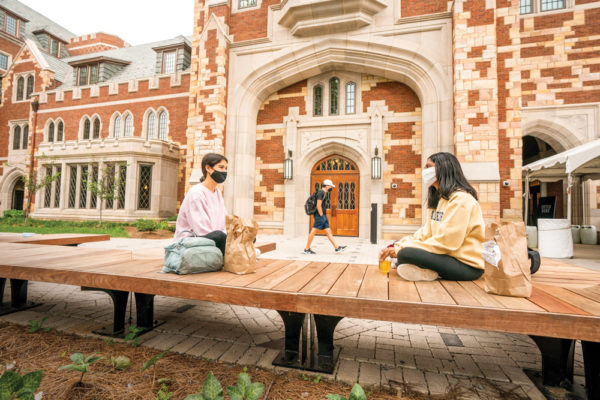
x: 202, y: 212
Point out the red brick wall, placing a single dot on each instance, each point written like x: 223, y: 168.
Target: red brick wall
x: 252, y: 23
x: 9, y: 47
x: 101, y: 41
x: 411, y: 8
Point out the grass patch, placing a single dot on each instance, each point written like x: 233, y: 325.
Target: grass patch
x: 19, y: 225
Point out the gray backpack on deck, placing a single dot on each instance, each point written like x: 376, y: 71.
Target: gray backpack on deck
x: 192, y: 255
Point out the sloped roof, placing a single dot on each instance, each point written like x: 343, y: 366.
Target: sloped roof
x: 37, y: 21
x: 581, y: 160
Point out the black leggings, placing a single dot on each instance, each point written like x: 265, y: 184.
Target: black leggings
x: 220, y: 239
x: 449, y: 268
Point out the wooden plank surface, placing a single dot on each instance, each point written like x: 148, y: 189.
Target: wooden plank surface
x: 324, y: 281
x: 375, y: 284
x: 574, y: 299
x: 459, y: 294
x: 402, y: 290
x: 297, y: 281
x: 270, y: 267
x: 513, y: 303
x: 552, y: 304
x: 433, y: 292
x: 349, y: 282
x: 274, y: 279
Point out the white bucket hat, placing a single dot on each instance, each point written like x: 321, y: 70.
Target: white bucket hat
x: 327, y: 182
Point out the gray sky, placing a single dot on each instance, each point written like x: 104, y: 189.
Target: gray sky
x: 135, y: 21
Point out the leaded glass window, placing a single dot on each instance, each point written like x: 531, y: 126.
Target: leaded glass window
x: 57, y: 188
x: 3, y: 61
x: 48, y: 189
x: 318, y: 100
x: 25, y: 137
x: 83, y: 186
x: 11, y: 25
x: 247, y: 3
x: 151, y: 125
x: 350, y: 98
x: 86, y: 129
x: 340, y: 197
x: 122, y: 186
x: 145, y: 188
x: 83, y: 72
x: 128, y: 125
x: 72, y: 185
x: 169, y: 62
x: 20, y: 87
x: 29, y: 86
x: 17, y: 138
x: 334, y: 94
x: 94, y: 74
x: 336, y: 164
x: 548, y: 5
x: 525, y: 6
x: 352, y: 196
x: 51, y: 132
x: 163, y: 126
x: 54, y: 47
x: 110, y: 184
x: 117, y: 127
x: 346, y: 189
x: 97, y: 128
x: 94, y: 198
x: 60, y: 131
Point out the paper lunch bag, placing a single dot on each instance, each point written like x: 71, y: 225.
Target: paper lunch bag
x: 240, y: 256
x: 512, y: 277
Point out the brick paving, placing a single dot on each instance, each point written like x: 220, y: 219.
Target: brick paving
x: 427, y: 359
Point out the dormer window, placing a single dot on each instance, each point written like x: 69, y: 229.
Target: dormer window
x: 11, y: 25
x: 168, y: 65
x: 54, y: 47
x: 3, y: 61
x: 87, y: 74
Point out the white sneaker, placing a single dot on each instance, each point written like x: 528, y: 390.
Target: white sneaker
x: 412, y: 273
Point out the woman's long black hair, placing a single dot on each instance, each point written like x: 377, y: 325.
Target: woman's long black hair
x: 450, y: 177
x: 210, y: 159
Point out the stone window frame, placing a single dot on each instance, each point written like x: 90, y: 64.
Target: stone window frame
x: 54, y: 188
x: 56, y: 123
x: 323, y: 80
x: 26, y: 78
x: 537, y: 8
x: 124, y: 116
x: 147, y: 128
x: 88, y: 77
x: 112, y: 131
x: 236, y: 6
x: 163, y: 111
x: 21, y: 125
x: 92, y: 119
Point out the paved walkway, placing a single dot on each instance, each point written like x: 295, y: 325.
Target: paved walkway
x: 428, y: 359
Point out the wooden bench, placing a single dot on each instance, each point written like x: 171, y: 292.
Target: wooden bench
x: 56, y: 239
x: 564, y: 306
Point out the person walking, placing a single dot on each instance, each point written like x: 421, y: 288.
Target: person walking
x: 321, y: 220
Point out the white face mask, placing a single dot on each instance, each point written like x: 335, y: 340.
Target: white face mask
x: 429, y: 177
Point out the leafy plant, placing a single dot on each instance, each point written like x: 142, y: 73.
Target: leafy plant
x: 35, y: 325
x: 14, y: 214
x: 15, y: 386
x: 106, y: 185
x: 32, y: 187
x: 132, y: 337
x: 120, y: 363
x: 170, y: 219
x: 317, y: 379
x: 152, y: 362
x: 211, y: 390
x: 145, y: 225
x: 245, y: 389
x: 81, y: 363
x: 163, y: 393
x: 357, y: 393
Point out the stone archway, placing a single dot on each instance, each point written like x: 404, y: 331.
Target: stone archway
x: 8, y: 184
x: 409, y: 65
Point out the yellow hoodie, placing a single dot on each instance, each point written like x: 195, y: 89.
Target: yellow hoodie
x: 455, y: 228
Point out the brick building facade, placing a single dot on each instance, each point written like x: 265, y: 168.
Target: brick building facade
x: 328, y: 86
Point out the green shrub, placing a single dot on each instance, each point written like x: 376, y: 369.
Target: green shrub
x: 14, y: 214
x: 15, y: 386
x: 172, y: 218
x: 145, y: 225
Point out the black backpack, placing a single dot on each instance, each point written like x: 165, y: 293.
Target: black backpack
x: 310, y: 206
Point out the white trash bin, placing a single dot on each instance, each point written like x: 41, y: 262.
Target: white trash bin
x: 555, y: 239
x: 589, y: 235
x: 575, y: 230
x: 532, y: 237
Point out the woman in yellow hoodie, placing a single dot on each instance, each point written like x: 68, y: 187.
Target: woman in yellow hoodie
x: 449, y: 245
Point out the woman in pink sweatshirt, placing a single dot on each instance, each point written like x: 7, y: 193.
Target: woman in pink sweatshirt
x: 203, y: 209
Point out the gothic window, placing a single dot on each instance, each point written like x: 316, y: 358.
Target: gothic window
x: 25, y: 137
x: 162, y: 126
x: 145, y: 188
x: 117, y: 126
x: 352, y: 196
x: 318, y: 100
x: 334, y: 95
x: 86, y: 129
x: 29, y: 86
x: 17, y: 138
x: 96, y: 128
x: 128, y: 125
x: 151, y: 125
x: 60, y: 131
x: 336, y: 164
x: 350, y: 98
x: 20, y: 87
x: 51, y: 132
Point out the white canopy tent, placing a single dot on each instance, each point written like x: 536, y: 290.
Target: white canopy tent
x: 581, y: 161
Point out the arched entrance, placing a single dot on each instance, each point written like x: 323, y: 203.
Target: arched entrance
x: 343, y: 200
x: 18, y: 195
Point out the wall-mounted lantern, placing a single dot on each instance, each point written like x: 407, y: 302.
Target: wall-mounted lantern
x: 288, y: 166
x: 376, y: 165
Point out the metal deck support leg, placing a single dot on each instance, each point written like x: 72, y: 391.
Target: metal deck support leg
x: 119, y: 299
x: 144, y: 307
x: 325, y: 325
x: 591, y: 364
x: 557, y: 360
x: 290, y: 356
x: 18, y: 297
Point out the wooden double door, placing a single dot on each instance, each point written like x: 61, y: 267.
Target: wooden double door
x: 342, y: 201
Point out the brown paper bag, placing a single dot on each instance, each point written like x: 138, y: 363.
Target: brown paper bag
x: 512, y: 277
x: 240, y: 256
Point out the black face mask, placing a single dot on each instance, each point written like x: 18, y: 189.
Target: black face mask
x: 218, y: 176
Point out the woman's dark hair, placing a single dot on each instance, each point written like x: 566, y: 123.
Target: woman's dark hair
x: 210, y: 159
x: 450, y: 177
